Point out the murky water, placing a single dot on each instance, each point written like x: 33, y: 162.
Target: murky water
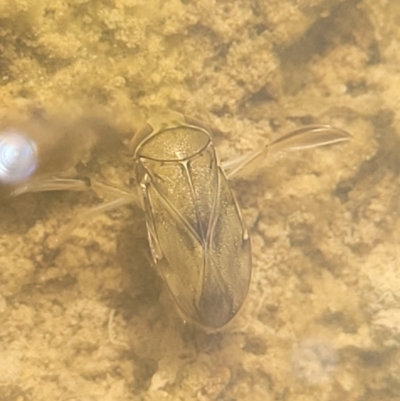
x: 91, y: 319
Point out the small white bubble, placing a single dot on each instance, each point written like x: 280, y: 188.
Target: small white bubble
x: 18, y: 157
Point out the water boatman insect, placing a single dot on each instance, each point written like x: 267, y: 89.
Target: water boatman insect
x: 198, y: 239
x: 197, y: 236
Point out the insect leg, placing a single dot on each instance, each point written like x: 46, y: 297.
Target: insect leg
x: 307, y: 137
x: 52, y: 184
x: 120, y: 198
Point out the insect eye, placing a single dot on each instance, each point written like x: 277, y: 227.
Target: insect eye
x: 18, y: 157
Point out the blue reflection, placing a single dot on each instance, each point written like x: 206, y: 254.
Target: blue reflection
x: 18, y: 157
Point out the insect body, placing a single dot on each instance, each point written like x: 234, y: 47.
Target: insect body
x: 196, y: 233
x: 197, y: 237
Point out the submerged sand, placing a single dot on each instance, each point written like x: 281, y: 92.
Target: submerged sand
x: 322, y: 320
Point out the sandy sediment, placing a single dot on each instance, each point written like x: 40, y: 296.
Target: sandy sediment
x: 322, y: 317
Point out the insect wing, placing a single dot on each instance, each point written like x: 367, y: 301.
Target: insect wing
x: 227, y: 261
x: 197, y: 236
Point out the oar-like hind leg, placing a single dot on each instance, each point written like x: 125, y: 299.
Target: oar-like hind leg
x: 308, y: 137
